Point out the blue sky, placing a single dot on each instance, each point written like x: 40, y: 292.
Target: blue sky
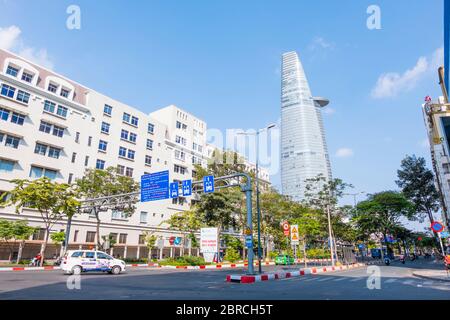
x: 220, y: 60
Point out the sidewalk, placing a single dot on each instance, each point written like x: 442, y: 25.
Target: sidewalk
x: 440, y: 275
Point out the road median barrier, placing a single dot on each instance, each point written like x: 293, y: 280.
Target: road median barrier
x: 289, y: 274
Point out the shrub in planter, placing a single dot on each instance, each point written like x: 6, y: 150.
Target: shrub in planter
x: 232, y: 255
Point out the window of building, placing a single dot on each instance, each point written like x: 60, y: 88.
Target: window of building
x: 12, y: 71
x: 12, y: 141
x: 23, y: 96
x: 126, y: 117
x: 89, y: 141
x: 131, y: 154
x: 133, y: 137
x: 69, y: 180
x: 39, y: 234
x: 129, y: 172
x: 58, y: 131
x: 52, y: 87
x: 8, y: 91
x: 142, y: 239
x: 143, y: 217
x: 107, y: 109
x: 124, y: 134
x: 148, y: 160
x: 45, y: 127
x: 27, y: 77
x: 100, y: 164
x: 179, y: 169
x: 4, y: 114
x: 102, y: 145
x: 18, y: 118
x: 77, y: 137
x: 54, y: 152
x: 90, y: 236
x: 105, y: 127
x: 6, y: 165
x: 40, y: 149
x: 180, y: 155
x: 49, y: 106
x: 86, y: 161
x: 149, y: 144
x: 178, y: 125
x: 123, y: 238
x: 74, y: 157
x: 134, y: 121
x: 116, y: 214
x: 62, y: 111
x: 75, y: 235
x: 38, y: 172
x: 121, y: 169
x: 151, y: 128
x: 65, y: 93
x: 122, y: 152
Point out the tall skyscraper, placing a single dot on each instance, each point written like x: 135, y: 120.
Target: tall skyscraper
x: 304, y: 152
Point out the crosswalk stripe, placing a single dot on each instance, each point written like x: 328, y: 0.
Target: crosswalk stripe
x: 310, y: 279
x: 390, y: 281
x: 339, y: 279
x: 323, y: 279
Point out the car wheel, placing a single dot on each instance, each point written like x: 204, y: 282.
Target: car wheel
x: 77, y: 270
x: 116, y: 270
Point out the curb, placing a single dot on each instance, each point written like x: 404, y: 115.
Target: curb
x: 146, y: 265
x: 291, y: 274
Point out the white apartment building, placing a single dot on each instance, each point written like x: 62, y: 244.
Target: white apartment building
x: 437, y: 123
x: 52, y: 126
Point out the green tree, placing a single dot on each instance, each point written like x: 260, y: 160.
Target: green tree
x: 6, y: 235
x: 187, y: 222
x: 417, y: 183
x: 22, y: 232
x: 98, y: 183
x: 52, y: 200
x: 150, y: 243
x: 382, y: 213
x: 58, y: 238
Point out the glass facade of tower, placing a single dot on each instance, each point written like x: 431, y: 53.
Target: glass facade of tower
x: 304, y: 152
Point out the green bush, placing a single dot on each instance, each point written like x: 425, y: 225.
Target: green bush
x: 134, y: 260
x: 317, y: 253
x: 232, y: 255
x: 183, y: 261
x: 273, y: 255
x: 27, y: 262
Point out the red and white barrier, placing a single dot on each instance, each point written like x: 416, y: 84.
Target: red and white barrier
x: 290, y: 274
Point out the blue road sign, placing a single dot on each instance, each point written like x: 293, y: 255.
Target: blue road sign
x: 174, y: 190
x: 155, y: 186
x: 177, y: 241
x: 187, y: 188
x: 208, y: 184
x: 249, y: 241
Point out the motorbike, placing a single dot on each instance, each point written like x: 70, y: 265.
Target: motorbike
x: 387, y: 261
x: 402, y: 259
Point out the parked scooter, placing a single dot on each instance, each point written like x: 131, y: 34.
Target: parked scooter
x: 402, y: 259
x: 387, y: 261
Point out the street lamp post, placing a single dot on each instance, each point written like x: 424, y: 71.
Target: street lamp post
x: 258, y: 208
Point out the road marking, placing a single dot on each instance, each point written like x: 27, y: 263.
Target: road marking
x: 323, y: 279
x: 408, y: 282
x: 356, y: 279
x: 339, y: 279
x: 390, y: 281
x: 310, y: 279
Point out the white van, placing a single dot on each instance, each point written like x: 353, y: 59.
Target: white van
x: 78, y: 261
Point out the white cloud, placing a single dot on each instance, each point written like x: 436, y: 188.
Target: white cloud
x: 320, y: 43
x: 424, y: 143
x: 10, y: 40
x: 9, y: 37
x: 328, y: 111
x: 392, y: 83
x: 344, y: 153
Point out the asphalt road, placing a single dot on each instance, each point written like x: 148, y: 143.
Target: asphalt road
x: 396, y: 282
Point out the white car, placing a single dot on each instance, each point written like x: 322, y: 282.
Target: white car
x: 78, y: 261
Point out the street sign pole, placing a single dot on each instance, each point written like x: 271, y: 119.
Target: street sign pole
x: 442, y: 246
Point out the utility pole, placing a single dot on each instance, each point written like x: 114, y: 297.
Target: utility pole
x: 258, y: 208
x: 330, y: 234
